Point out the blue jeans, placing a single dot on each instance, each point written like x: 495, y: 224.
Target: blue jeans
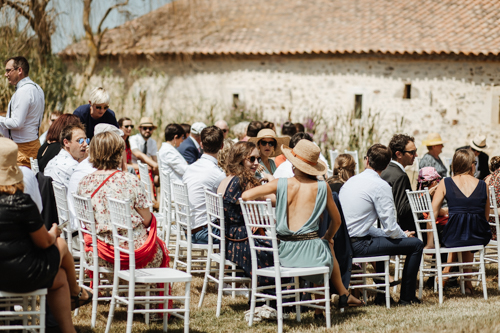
x: 201, y: 237
x: 411, y: 247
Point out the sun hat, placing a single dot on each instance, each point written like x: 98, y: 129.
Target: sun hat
x: 147, y: 121
x: 268, y: 133
x: 10, y: 173
x: 479, y: 142
x: 433, y: 139
x: 196, y: 128
x: 305, y: 157
x: 101, y: 128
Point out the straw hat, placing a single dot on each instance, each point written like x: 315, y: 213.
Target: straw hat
x: 147, y: 121
x: 433, y: 139
x: 478, y: 143
x: 305, y: 157
x: 268, y: 133
x: 10, y: 173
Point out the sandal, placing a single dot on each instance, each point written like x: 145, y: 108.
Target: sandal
x: 469, y: 291
x: 344, y: 302
x: 75, y: 300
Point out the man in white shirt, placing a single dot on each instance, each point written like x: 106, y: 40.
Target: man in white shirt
x: 143, y: 147
x: 74, y: 150
x: 169, y: 157
x: 204, y: 173
x: 25, y: 110
x: 367, y: 197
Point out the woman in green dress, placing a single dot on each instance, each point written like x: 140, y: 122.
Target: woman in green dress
x: 269, y: 145
x: 300, y: 201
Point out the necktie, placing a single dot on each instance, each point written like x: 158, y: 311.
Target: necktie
x: 145, y: 148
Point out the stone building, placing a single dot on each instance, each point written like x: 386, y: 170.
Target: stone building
x: 354, y: 71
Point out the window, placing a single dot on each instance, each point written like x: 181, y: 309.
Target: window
x: 236, y: 101
x: 358, y: 106
x: 407, y: 92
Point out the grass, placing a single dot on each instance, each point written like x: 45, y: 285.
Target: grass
x: 458, y: 313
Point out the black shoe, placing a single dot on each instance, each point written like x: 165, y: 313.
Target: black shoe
x: 380, y: 300
x: 319, y: 316
x: 413, y: 301
x: 429, y: 284
x: 380, y: 281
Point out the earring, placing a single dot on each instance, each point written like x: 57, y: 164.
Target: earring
x: 175, y: 143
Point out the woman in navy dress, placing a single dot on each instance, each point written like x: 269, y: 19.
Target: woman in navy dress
x: 468, y: 207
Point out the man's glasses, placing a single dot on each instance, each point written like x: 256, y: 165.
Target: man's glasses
x: 82, y: 140
x: 147, y: 128
x: 475, y: 162
x: 129, y: 126
x: 98, y: 107
x: 411, y: 152
x: 225, y: 130
x: 7, y: 71
x: 252, y: 159
x: 267, y: 143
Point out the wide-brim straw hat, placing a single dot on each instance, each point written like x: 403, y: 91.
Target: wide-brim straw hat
x: 305, y: 157
x: 479, y: 143
x: 268, y: 133
x: 10, y: 173
x: 433, y: 139
x: 147, y: 121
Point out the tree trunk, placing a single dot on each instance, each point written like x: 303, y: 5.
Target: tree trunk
x: 43, y: 27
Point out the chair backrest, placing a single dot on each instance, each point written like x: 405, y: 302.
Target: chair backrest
x: 34, y: 165
x: 61, y: 203
x: 421, y: 207
x: 333, y: 156
x: 215, y: 212
x: 144, y: 175
x: 121, y: 219
x: 166, y: 206
x: 259, y: 214
x: 84, y: 215
x: 354, y: 154
x: 494, y: 209
x: 181, y: 203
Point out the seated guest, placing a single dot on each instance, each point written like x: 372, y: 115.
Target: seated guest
x: 52, y: 145
x: 289, y: 129
x: 187, y: 129
x: 285, y: 170
x: 126, y: 126
x: 468, y: 206
x: 253, y: 129
x: 222, y: 124
x: 169, y: 157
x: 96, y: 112
x: 53, y: 117
x: 74, y: 150
x: 190, y: 148
x: 30, y: 257
x: 105, y: 155
x: 269, y: 145
x: 300, y: 202
x: 240, y: 130
x: 478, y: 145
x: 223, y: 154
x: 494, y: 180
x: 343, y: 169
x: 202, y: 174
x: 435, y: 146
x: 143, y: 147
x: 366, y: 198
x: 403, y: 154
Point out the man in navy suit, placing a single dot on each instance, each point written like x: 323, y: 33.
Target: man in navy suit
x: 190, y: 148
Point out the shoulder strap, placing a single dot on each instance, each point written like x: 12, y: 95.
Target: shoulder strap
x: 104, y: 182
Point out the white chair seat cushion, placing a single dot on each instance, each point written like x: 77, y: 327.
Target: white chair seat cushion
x: 455, y: 249
x: 38, y: 292
x: 370, y: 259
x: 293, y: 272
x: 156, y: 275
x: 194, y: 246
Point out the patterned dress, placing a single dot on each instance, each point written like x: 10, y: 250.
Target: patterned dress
x: 495, y: 182
x: 122, y: 186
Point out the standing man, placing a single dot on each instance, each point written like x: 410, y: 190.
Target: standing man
x: 403, y: 153
x: 25, y: 110
x: 143, y: 147
x: 190, y: 148
x: 96, y: 112
x: 222, y: 124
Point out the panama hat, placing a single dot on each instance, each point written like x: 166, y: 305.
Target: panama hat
x: 478, y: 143
x: 268, y: 133
x: 147, y: 121
x: 10, y: 173
x: 305, y: 157
x: 433, y: 139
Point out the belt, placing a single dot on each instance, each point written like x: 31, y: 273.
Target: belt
x: 357, y: 239
x: 195, y: 230
x: 296, y: 238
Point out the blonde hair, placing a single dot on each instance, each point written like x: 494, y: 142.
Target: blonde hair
x: 106, y: 151
x: 462, y: 162
x: 343, y: 169
x: 99, y: 95
x: 224, y: 153
x: 11, y: 189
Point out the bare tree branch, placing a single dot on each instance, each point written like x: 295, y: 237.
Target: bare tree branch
x: 16, y: 5
x: 106, y: 15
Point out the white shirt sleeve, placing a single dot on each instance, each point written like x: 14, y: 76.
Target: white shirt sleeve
x: 133, y: 143
x: 386, y: 211
x: 152, y: 147
x: 31, y: 187
x: 19, y: 108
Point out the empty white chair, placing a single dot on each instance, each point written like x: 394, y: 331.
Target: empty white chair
x: 216, y: 222
x: 168, y: 212
x: 354, y: 154
x: 34, y: 165
x: 144, y: 175
x: 420, y: 202
x: 142, y: 279
x: 333, y: 156
x: 259, y: 214
x: 30, y: 313
x: 63, y: 214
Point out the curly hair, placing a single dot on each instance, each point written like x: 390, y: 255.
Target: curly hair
x: 398, y: 143
x: 494, y: 163
x: 222, y: 155
x: 235, y: 164
x: 343, y: 169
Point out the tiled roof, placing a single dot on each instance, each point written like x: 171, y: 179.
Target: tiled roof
x: 213, y: 27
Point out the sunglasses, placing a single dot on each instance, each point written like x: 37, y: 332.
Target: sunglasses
x: 224, y: 130
x: 147, y: 128
x: 252, y: 159
x: 411, y: 152
x: 82, y: 140
x: 267, y: 143
x: 129, y: 126
x: 102, y: 107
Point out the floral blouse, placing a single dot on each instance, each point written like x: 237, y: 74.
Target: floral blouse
x: 122, y: 186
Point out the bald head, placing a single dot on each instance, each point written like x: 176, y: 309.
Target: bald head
x: 223, y: 126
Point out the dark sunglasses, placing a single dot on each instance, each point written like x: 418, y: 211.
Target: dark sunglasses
x: 411, y: 152
x: 102, y: 107
x: 147, y: 128
x: 252, y: 159
x: 224, y: 130
x: 82, y: 140
x: 129, y: 126
x: 267, y: 143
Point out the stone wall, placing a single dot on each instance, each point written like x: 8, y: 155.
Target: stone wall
x: 457, y: 97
